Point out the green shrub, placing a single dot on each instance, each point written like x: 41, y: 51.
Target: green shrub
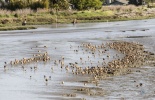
x: 21, y: 4
x: 46, y: 3
x: 16, y: 15
x: 87, y: 4
x: 59, y: 4
x: 36, y: 5
x: 16, y: 4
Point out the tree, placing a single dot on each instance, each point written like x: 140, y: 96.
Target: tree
x: 86, y: 4
x: 17, y: 4
x: 96, y: 4
x: 46, y: 3
x: 59, y: 4
x: 80, y: 4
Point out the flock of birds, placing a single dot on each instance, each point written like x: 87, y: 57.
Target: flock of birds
x: 134, y: 55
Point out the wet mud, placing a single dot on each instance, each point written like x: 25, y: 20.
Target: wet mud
x: 94, y: 62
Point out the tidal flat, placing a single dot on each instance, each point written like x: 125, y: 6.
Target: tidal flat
x: 85, y: 61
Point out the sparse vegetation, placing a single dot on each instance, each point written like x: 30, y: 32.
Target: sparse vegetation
x: 17, y: 28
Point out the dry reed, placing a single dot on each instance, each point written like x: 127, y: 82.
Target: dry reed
x: 119, y: 8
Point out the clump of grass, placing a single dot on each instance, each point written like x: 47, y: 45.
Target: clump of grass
x: 22, y: 12
x: 65, y: 12
x: 108, y: 13
x: 40, y: 10
x: 52, y: 12
x: 1, y: 25
x: 4, y: 13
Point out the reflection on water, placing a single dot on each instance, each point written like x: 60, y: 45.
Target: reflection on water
x: 17, y: 83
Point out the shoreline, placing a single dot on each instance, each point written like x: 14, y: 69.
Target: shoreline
x: 64, y: 17
x: 17, y: 28
x: 27, y: 27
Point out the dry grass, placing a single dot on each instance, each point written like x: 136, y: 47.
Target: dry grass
x: 39, y: 10
x: 19, y: 12
x: 119, y: 8
x: 4, y: 12
x: 23, y: 11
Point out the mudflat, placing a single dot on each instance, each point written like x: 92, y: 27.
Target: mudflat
x: 84, y: 61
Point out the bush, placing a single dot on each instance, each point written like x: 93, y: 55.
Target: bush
x: 21, y: 4
x: 87, y: 4
x: 16, y: 15
x: 13, y: 5
x: 60, y: 4
x: 46, y: 3
x: 36, y: 5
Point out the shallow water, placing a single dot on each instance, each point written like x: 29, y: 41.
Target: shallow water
x: 62, y: 40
